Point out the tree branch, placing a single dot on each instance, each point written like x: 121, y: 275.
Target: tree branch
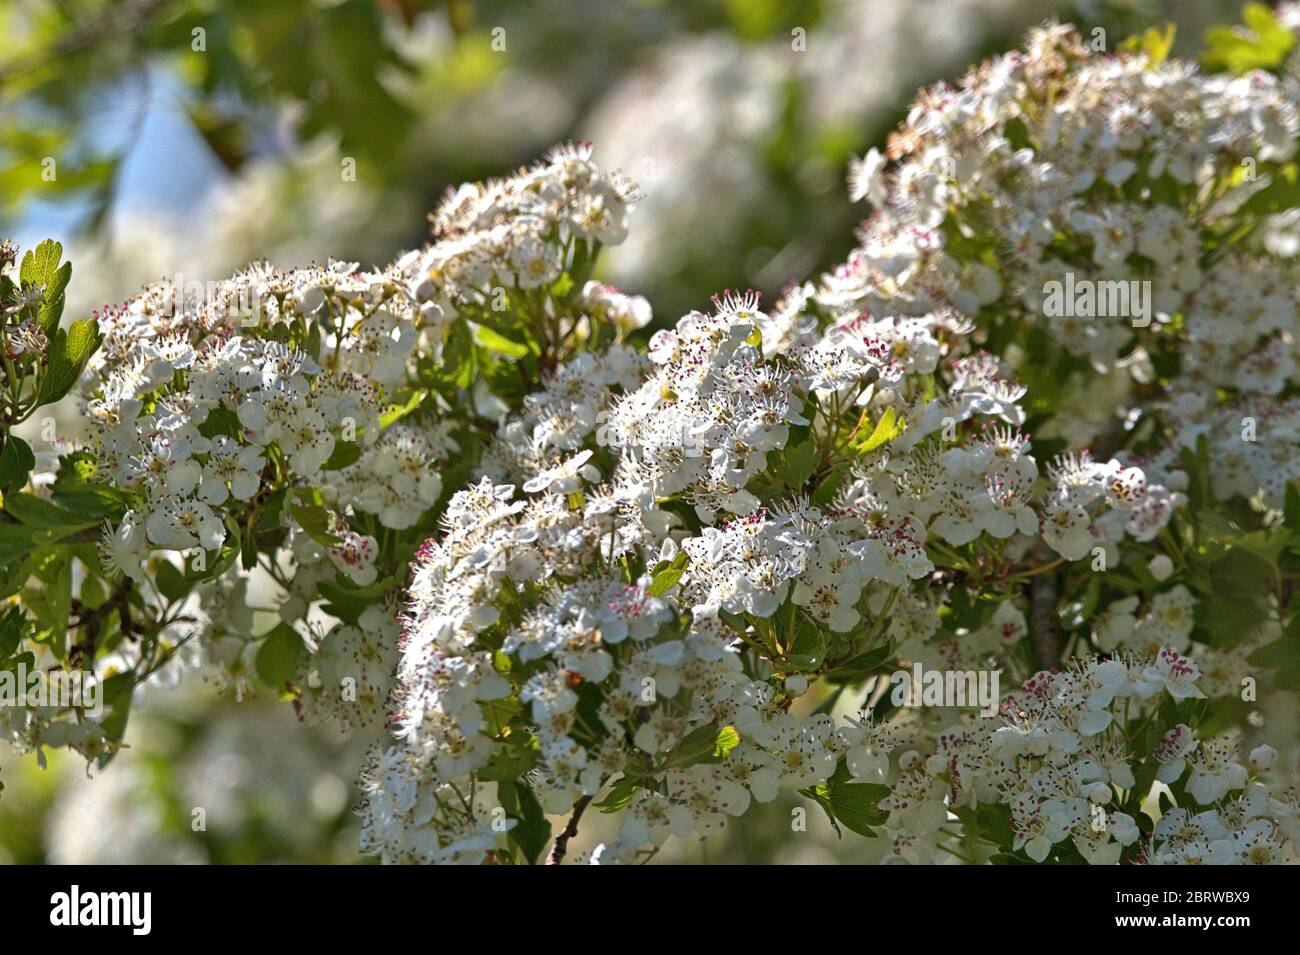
x: 571, y: 830
x: 1044, y: 620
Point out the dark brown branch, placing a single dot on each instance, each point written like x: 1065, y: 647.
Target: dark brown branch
x: 1044, y: 619
x: 571, y: 830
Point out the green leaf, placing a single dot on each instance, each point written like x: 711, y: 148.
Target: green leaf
x: 37, y: 512
x: 268, y: 517
x: 1156, y: 44
x: 619, y: 795
x: 16, y: 541
x: 345, y: 453
x: 51, y: 309
x: 1262, y: 44
x: 347, y: 605
x: 887, y: 429
x: 862, y: 666
x: 221, y: 420
x: 993, y: 824
x: 397, y: 412
x: 667, y: 574
x: 1291, y: 516
x: 506, y: 765
x: 1281, y: 193
x: 708, y: 744
x: 40, y: 265
x: 173, y: 584
x: 533, y: 831
x: 117, y: 692
x: 280, y: 656
x: 495, y: 341
x: 317, y: 522
x: 67, y: 354
x: 16, y: 462
x: 248, y: 548
x: 854, y: 805
x: 12, y: 626
x: 1282, y: 655
x: 809, y: 649
x: 820, y: 795
x: 796, y: 464
x: 83, y: 338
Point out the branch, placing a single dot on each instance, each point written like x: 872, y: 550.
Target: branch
x: 571, y: 830
x: 1044, y: 620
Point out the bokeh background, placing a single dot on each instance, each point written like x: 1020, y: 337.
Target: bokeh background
x: 191, y: 136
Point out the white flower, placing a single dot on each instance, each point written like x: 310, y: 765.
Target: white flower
x: 866, y: 179
x: 124, y: 550
x: 181, y: 524
x: 1174, y: 673
x: 231, y: 470
x: 1066, y: 528
x: 1262, y: 758
x: 306, y: 439
x: 355, y: 555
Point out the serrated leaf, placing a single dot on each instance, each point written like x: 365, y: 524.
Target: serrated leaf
x: 1262, y: 44
x: 67, y: 355
x: 82, y: 339
x: 40, y: 265
x: 39, y: 513
x: 854, y: 805
x: 51, y: 309
x: 887, y: 429
x: 1156, y: 44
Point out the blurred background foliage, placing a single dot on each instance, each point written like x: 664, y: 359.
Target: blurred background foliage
x: 158, y: 138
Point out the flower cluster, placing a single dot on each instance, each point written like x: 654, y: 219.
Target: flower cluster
x: 576, y: 630
x: 710, y: 411
x: 1062, y: 762
x: 517, y: 232
x: 545, y: 561
x: 197, y: 409
x: 1078, y: 192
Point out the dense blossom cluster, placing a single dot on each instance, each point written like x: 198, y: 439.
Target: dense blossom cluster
x: 1060, y: 763
x: 541, y: 568
x: 193, y: 409
x: 516, y: 232
x: 1101, y: 181
x: 652, y: 670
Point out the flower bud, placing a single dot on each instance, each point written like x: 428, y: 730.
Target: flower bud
x: 1262, y: 757
x: 1161, y: 567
